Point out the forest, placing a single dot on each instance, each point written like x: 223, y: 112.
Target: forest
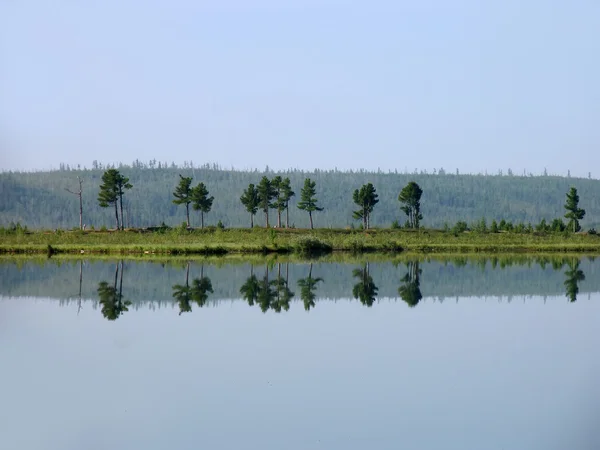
x: 45, y: 200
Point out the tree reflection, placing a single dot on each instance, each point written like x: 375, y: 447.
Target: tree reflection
x: 198, y: 292
x: 201, y: 287
x: 574, y: 275
x: 268, y: 293
x: 410, y: 291
x: 365, y: 290
x: 183, y: 294
x: 111, y: 297
x: 307, y: 287
x: 282, y: 290
x: 250, y: 288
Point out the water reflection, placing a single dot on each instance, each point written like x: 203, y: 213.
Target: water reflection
x: 410, y: 291
x: 283, y: 292
x: 111, y: 298
x: 308, y: 286
x: 198, y: 292
x: 574, y: 275
x: 269, y: 285
x: 365, y: 290
x: 268, y: 293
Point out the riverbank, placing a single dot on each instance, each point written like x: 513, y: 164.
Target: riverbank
x: 264, y: 241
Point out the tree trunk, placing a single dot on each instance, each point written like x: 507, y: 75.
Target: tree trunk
x: 80, y: 209
x: 121, y: 203
x: 287, y: 215
x: 278, y: 218
x: 121, y: 284
x: 267, y: 218
x: 202, y: 220
x: 251, y: 220
x: 80, y: 283
x: 311, y: 222
x: 117, y: 217
x: 187, y: 214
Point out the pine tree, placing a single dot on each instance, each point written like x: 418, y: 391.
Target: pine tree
x: 266, y: 193
x: 308, y: 202
x: 122, y: 183
x: 410, y: 196
x: 183, y: 195
x: 284, y: 195
x: 366, y: 198
x: 109, y: 193
x: 250, y: 201
x: 201, y: 201
x: 574, y: 213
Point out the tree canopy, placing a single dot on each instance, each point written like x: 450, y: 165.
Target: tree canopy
x: 574, y: 212
x: 308, y: 201
x: 366, y: 198
x: 410, y: 197
x: 183, y: 195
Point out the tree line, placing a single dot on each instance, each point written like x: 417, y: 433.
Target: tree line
x: 40, y: 200
x: 273, y: 290
x: 268, y: 194
x: 276, y: 193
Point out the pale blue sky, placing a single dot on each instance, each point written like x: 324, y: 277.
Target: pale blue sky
x: 474, y: 85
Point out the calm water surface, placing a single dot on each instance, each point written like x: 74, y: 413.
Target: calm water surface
x: 461, y: 354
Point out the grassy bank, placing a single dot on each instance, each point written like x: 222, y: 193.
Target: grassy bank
x: 300, y: 241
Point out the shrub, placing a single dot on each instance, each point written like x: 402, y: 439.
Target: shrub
x: 460, y: 227
x: 311, y: 245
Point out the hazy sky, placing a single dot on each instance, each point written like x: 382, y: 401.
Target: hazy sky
x: 468, y: 84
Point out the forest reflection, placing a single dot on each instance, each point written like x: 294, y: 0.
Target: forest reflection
x: 269, y: 286
x: 197, y: 292
x: 269, y: 292
x: 111, y: 296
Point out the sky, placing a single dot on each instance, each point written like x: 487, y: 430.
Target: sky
x: 479, y: 86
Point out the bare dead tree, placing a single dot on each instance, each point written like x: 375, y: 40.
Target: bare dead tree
x: 78, y: 193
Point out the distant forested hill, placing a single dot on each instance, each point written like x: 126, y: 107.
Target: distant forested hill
x: 39, y: 199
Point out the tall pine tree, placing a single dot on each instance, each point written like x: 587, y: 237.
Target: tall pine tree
x: 183, y: 195
x: 308, y: 201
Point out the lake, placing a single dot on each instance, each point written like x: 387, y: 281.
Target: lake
x: 362, y: 353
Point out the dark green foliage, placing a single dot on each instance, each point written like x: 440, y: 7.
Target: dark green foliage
x: 308, y: 201
x: 365, y: 290
x: 183, y: 195
x: 250, y: 201
x: 410, y: 291
x: 201, y: 201
x: 111, y: 297
x: 410, y: 197
x: 558, y: 226
x: 574, y: 212
x: 494, y: 227
x: 266, y: 194
x: 201, y: 287
x: 460, y: 227
x: 574, y: 276
x: 366, y: 198
x: 112, y: 190
x: 311, y: 245
x: 250, y: 289
x: 284, y: 194
x: 109, y: 194
x: 308, y: 287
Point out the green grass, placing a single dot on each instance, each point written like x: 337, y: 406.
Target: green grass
x: 213, y: 242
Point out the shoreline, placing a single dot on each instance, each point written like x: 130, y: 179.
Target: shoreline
x: 217, y: 242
